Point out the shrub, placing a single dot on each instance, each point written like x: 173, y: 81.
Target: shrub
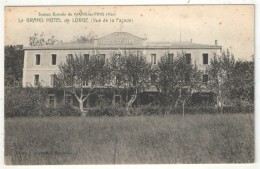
x: 239, y: 109
x: 32, y: 102
x: 67, y: 110
x: 25, y: 101
x: 149, y: 110
x: 107, y: 111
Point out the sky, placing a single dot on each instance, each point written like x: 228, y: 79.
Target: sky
x: 231, y: 25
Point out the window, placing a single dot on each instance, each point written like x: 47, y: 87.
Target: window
x: 38, y: 59
x: 205, y: 59
x: 93, y: 83
x: 118, y: 55
x: 68, y: 99
x: 170, y: 57
x: 53, y: 80
x: 118, y: 81
x: 117, y: 99
x: 188, y: 58
x: 86, y: 102
x: 101, y: 99
x: 36, y: 80
x: 70, y: 56
x: 53, y: 59
x: 51, y: 101
x: 187, y: 78
x: 205, y: 78
x: 134, y: 82
x: 153, y: 79
x: 153, y: 59
x: 151, y: 99
x: 103, y: 56
x: 85, y: 83
x: 86, y: 57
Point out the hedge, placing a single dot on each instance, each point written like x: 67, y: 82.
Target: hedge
x: 31, y: 102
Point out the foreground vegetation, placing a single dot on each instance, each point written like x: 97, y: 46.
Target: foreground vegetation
x: 208, y: 138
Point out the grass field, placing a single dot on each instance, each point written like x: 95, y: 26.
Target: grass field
x: 145, y: 139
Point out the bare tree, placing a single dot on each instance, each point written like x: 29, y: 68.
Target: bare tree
x: 89, y: 38
x: 41, y: 40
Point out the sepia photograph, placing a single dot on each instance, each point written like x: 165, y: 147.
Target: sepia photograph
x: 139, y: 84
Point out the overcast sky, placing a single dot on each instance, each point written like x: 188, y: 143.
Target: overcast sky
x: 231, y: 25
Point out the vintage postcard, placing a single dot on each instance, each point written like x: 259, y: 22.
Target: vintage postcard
x: 168, y: 84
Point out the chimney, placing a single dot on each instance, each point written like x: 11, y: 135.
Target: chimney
x: 216, y: 42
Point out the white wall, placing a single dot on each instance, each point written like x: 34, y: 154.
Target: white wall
x: 46, y: 69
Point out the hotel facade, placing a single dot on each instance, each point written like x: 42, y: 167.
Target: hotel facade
x: 41, y: 63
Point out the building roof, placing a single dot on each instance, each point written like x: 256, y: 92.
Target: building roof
x: 181, y: 45
x: 62, y: 46
x: 124, y: 33
x: 116, y: 40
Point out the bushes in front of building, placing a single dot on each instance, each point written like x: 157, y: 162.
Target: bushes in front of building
x: 32, y: 102
x: 61, y: 110
x: 25, y: 102
x: 67, y: 110
x: 113, y: 110
x: 149, y: 110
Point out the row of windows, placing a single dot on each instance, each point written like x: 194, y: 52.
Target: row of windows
x: 187, y: 55
x: 118, y: 81
x: 54, y: 58
x: 68, y: 98
x: 37, y: 79
x: 153, y: 58
x: 53, y: 80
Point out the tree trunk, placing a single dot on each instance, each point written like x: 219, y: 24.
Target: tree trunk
x: 81, y: 103
x: 220, y: 101
x: 183, y: 106
x: 220, y: 104
x: 131, y: 101
x: 220, y: 97
x: 178, y: 99
x: 126, y: 98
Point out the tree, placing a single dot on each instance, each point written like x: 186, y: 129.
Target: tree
x: 221, y: 73
x: 177, y: 78
x: 41, y: 40
x: 131, y: 70
x: 85, y: 39
x: 78, y: 71
x: 243, y: 82
x: 13, y: 64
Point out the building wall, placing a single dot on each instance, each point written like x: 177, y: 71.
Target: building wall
x: 196, y: 55
x: 46, y: 69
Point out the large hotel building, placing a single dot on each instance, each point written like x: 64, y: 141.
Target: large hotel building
x: 41, y: 62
